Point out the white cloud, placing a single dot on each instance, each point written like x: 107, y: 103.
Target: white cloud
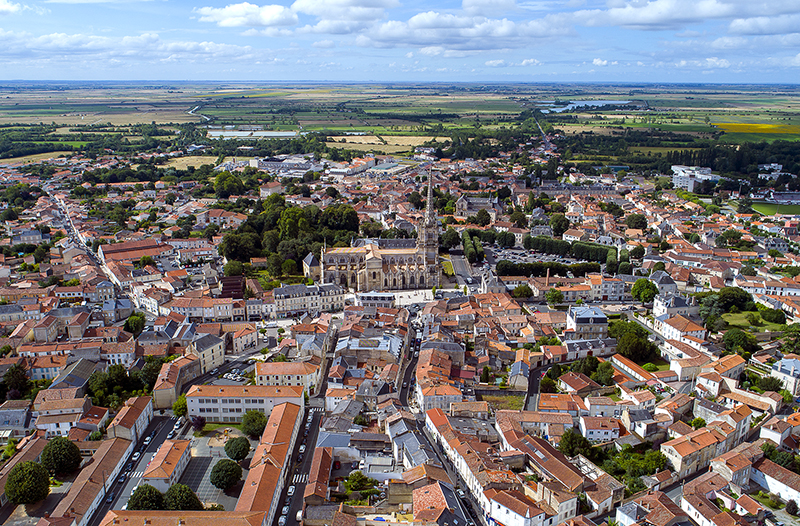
x: 600, y: 62
x: 707, y: 63
x: 342, y: 16
x: 530, y: 62
x: 487, y: 7
x: 324, y: 44
x: 7, y: 7
x: 246, y: 14
x: 496, y: 63
x: 763, y: 25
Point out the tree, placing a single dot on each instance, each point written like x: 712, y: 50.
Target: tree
x: 519, y: 218
x: 773, y: 316
x: 237, y: 448
x: 40, y: 253
x: 604, y: 375
x: 17, y: 378
x: 572, y: 443
x: 644, y: 290
x: 180, y: 497
x: 482, y: 217
x: 357, y: 481
x: 275, y: 265
x: 736, y: 340
x: 547, y: 385
x: 234, y: 268
x: 146, y: 261
x: 560, y: 224
x: 617, y: 329
x: 554, y: 297
x: 289, y: 267
x: 179, y: 408
x: 625, y: 268
x: 636, y: 221
x: 770, y: 383
x: 522, y: 291
x: 61, y: 456
x: 635, y: 348
x: 697, y: 423
x: 586, y: 365
x: 555, y: 372
x: 135, y: 324
x: 95, y: 435
x: 198, y: 423
x: 146, y: 497
x: 28, y: 483
x: 225, y: 474
x: 486, y: 374
x: 450, y: 239
x: 637, y: 252
x: 748, y: 270
x: 791, y: 507
x: 253, y: 423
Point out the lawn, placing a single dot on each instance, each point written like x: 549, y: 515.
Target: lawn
x: 766, y: 501
x: 447, y: 268
x: 216, y: 425
x: 513, y: 403
x: 769, y: 209
x: 739, y: 320
x: 661, y: 363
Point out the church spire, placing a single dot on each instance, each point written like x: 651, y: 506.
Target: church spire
x: 430, y: 212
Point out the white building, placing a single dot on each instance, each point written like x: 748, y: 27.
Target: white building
x: 229, y: 403
x: 788, y: 372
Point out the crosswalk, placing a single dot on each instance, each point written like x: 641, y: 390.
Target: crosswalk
x: 136, y: 474
x: 300, y: 478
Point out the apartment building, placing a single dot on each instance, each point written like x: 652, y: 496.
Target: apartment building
x: 210, y: 350
x: 301, y: 374
x: 299, y: 299
x: 586, y: 323
x: 168, y: 464
x: 229, y: 403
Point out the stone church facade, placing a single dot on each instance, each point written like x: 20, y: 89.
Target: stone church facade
x: 389, y: 264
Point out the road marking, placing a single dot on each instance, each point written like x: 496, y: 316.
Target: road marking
x: 300, y: 478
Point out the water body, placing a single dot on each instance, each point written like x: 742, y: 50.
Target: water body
x: 574, y: 104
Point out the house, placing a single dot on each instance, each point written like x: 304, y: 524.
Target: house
x: 132, y: 420
x: 171, y: 379
x: 599, y: 429
x: 664, y: 283
x: 302, y: 374
x: 577, y: 383
x: 210, y: 350
x: 787, y: 371
x: 168, y: 464
x: 15, y: 419
x: 679, y: 328
x: 671, y: 305
x: 512, y: 507
x: 586, y: 323
x: 776, y: 479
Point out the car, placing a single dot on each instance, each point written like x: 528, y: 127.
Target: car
x: 290, y: 491
x: 121, y: 478
x: 285, y: 510
x: 354, y: 465
x: 178, y: 424
x: 282, y: 520
x: 310, y: 418
x: 337, y: 464
x: 171, y: 434
x: 129, y: 467
x: 136, y: 456
x: 305, y: 433
x: 147, y: 440
x: 308, y: 425
x: 214, y: 371
x: 299, y: 516
x: 461, y: 493
x: 300, y: 457
x: 405, y: 384
x: 110, y: 498
x: 302, y: 449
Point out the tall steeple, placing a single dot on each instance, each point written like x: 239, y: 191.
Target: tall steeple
x: 428, y: 239
x: 430, y: 211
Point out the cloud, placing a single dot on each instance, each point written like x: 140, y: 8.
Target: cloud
x: 7, y: 7
x: 496, y: 63
x: 324, y: 44
x: 246, y: 14
x: 530, y: 62
x: 600, y: 62
x: 487, y: 7
x: 763, y: 25
x: 708, y: 63
x: 342, y: 16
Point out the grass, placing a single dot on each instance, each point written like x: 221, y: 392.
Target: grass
x: 766, y: 501
x: 514, y: 403
x: 738, y: 320
x: 769, y: 209
x: 447, y: 268
x: 211, y: 427
x: 614, y: 397
x: 661, y: 363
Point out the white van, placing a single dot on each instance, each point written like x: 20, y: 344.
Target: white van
x: 299, y: 516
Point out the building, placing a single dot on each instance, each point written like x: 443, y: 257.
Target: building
x: 300, y: 299
x: 210, y: 350
x: 171, y: 379
x: 384, y: 300
x: 132, y: 420
x: 168, y: 464
x: 689, y: 177
x: 301, y: 374
x: 586, y: 323
x: 229, y: 403
x: 787, y: 371
x: 389, y: 264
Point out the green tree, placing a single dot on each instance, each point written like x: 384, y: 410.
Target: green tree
x: 225, y: 474
x: 275, y: 265
x: 559, y: 223
x: 791, y: 507
x: 289, y: 267
x: 234, y: 268
x: 554, y: 297
x: 145, y: 261
x: 28, y: 483
x: 61, y: 456
x: 179, y: 408
x: 636, y: 221
x: 617, y: 329
x: 586, y: 365
x: 635, y: 348
x: 237, y: 448
x: 146, y: 497
x: 770, y: 383
x: 482, y: 217
x: 486, y: 374
x: 644, y: 290
x: 547, y: 385
x: 604, y: 375
x: 180, y: 497
x: 357, y: 481
x: 17, y: 379
x: 637, y: 252
x: 253, y: 423
x: 450, y: 239
x: 697, y: 423
x: 519, y: 219
x: 95, y: 435
x: 522, y: 291
x: 292, y: 222
x: 135, y: 324
x: 40, y: 253
x: 736, y: 340
x: 572, y: 443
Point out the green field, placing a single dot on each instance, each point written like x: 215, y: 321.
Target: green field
x: 769, y: 209
x: 739, y: 320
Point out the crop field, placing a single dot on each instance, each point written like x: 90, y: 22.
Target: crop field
x: 34, y: 158
x: 181, y: 163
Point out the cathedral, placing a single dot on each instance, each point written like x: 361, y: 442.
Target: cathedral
x: 388, y: 264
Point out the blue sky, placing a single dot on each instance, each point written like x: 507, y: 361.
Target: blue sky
x: 739, y: 41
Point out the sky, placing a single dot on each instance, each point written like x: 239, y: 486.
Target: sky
x: 675, y: 41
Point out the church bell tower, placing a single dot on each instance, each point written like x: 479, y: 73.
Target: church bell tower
x: 428, y: 239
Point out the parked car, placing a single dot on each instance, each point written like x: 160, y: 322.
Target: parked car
x: 110, y: 498
x: 136, y: 456
x: 171, y: 434
x: 302, y: 448
x: 290, y: 491
x: 282, y: 520
x: 461, y: 493
x: 121, y: 478
x: 285, y: 510
x: 147, y: 440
